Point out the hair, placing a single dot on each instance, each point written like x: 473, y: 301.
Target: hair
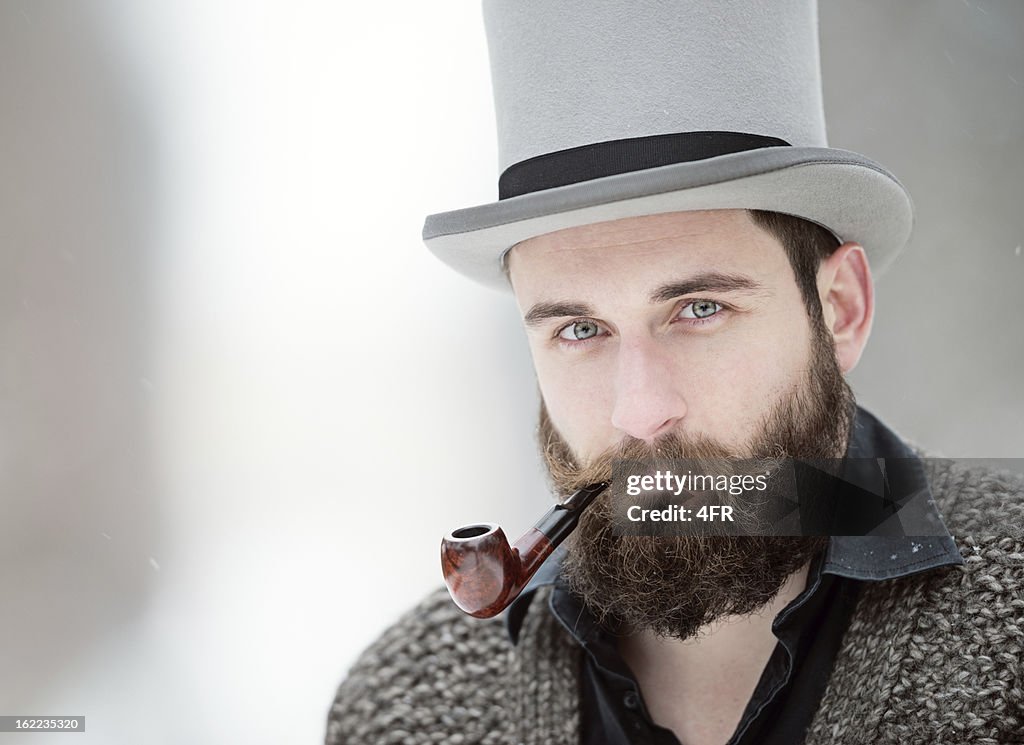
x: 806, y: 244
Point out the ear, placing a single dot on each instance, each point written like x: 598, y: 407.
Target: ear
x: 847, y: 301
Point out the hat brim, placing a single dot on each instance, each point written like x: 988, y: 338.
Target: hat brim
x: 849, y: 194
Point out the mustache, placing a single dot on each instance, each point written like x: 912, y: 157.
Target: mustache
x: 568, y: 475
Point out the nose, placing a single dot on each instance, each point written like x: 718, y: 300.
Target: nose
x: 648, y: 401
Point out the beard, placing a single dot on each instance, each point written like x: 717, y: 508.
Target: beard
x: 674, y: 585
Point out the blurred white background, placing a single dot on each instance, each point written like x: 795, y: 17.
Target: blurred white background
x: 240, y: 403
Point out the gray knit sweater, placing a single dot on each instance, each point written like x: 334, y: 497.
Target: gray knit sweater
x: 931, y: 658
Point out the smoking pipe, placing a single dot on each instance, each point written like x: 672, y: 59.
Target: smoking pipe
x: 485, y: 574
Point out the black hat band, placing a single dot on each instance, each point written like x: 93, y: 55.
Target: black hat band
x: 613, y: 157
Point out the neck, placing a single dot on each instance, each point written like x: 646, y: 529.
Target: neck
x: 699, y: 687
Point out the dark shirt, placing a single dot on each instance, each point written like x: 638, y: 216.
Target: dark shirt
x: 809, y: 630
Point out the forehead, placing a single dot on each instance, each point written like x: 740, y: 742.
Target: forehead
x: 643, y: 249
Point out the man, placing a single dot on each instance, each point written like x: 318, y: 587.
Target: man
x: 694, y: 270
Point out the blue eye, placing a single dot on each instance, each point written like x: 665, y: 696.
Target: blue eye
x: 700, y: 309
x: 579, y: 330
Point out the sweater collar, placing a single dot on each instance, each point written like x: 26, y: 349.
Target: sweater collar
x: 868, y: 558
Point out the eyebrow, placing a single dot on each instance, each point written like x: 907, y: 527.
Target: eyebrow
x: 543, y: 311
x: 706, y: 282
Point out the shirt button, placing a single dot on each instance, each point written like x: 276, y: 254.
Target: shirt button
x: 631, y: 700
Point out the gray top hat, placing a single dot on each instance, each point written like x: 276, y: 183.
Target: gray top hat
x: 617, y: 108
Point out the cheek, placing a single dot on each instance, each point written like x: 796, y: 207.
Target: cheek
x: 728, y: 406
x: 739, y: 382
x: 579, y: 402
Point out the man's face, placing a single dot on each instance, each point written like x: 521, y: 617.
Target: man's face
x: 670, y: 337
x: 688, y: 322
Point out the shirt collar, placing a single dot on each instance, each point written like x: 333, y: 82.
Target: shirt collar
x: 856, y: 557
x: 888, y: 557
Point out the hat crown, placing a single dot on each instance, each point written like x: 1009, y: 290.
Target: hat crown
x: 576, y: 72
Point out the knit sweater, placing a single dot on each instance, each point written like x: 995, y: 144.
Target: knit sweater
x: 930, y: 658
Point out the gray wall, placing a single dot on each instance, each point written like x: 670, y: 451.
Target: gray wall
x: 935, y: 91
